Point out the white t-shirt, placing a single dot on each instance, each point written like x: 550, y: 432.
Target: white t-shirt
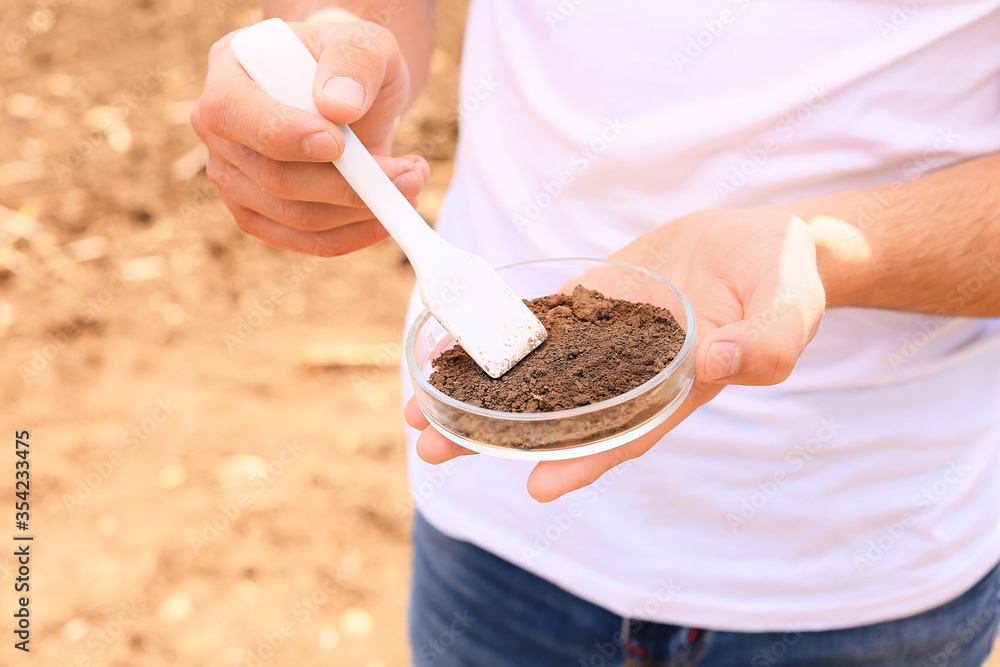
x: 867, y: 486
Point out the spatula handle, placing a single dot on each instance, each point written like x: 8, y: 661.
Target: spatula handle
x: 278, y: 61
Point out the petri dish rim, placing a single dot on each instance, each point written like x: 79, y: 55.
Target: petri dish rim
x: 686, y: 348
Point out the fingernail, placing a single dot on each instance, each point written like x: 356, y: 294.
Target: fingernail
x: 408, y: 182
x: 322, y: 145
x: 723, y: 360
x: 345, y: 90
x: 423, y: 168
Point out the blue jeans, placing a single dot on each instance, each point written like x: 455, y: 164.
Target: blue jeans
x: 469, y: 608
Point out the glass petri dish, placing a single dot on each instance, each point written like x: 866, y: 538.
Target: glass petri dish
x: 562, y: 434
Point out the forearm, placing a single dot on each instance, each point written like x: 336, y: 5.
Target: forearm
x: 410, y: 21
x: 930, y: 244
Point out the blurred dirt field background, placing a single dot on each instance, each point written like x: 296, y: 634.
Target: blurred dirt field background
x: 218, y: 459
x: 217, y: 449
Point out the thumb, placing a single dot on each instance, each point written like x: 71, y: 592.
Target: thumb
x: 780, y: 318
x: 733, y: 357
x: 759, y: 350
x: 361, y: 79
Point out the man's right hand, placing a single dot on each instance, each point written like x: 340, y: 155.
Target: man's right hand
x: 271, y: 163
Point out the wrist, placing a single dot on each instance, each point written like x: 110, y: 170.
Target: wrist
x: 842, y: 254
x: 309, y: 11
x: 331, y: 16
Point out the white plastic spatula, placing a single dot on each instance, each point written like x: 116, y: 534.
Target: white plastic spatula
x: 459, y: 288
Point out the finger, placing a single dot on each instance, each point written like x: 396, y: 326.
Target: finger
x: 306, y: 181
x: 552, y: 479
x: 780, y: 318
x: 414, y: 416
x: 321, y: 183
x: 327, y: 243
x: 434, y: 448
x: 306, y: 216
x: 361, y: 74
x: 233, y: 107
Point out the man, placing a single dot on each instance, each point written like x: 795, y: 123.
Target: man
x: 780, y: 162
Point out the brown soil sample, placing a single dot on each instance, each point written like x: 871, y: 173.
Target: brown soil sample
x: 597, y: 348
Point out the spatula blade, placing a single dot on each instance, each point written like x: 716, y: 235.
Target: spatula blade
x: 474, y: 304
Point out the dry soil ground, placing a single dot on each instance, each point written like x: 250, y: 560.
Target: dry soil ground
x: 208, y: 487
x: 196, y: 498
